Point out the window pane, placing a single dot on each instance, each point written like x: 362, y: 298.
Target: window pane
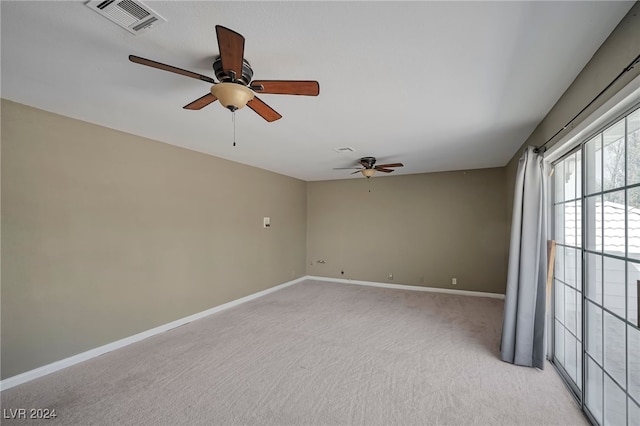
x: 633, y: 224
x: 634, y: 362
x: 559, y: 267
x: 570, y: 310
x: 578, y: 174
x: 613, y: 156
x: 579, y: 368
x: 559, y: 225
x: 570, y: 223
x: 593, y: 174
x: 594, y: 277
x: 558, y: 352
x: 579, y: 317
x: 570, y: 266
x: 559, y: 181
x: 570, y: 177
x: 633, y: 148
x: 633, y: 288
x: 579, y: 270
x: 615, y: 404
x: 594, y: 331
x: 593, y: 400
x: 634, y: 413
x: 614, y: 224
x: 570, y: 354
x: 614, y: 285
x: 614, y: 348
x: 559, y: 305
x: 593, y: 219
x: 579, y: 223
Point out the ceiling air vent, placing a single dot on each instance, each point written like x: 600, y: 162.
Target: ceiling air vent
x: 344, y: 150
x: 132, y: 15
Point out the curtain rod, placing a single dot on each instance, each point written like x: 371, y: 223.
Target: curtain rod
x: 628, y: 68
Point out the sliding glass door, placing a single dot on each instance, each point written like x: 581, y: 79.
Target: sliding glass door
x: 597, y: 272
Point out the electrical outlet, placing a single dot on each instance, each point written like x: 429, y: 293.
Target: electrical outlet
x: 391, y: 277
x: 454, y: 281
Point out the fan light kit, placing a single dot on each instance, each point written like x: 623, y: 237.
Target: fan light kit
x: 231, y: 95
x: 235, y: 87
x: 369, y: 167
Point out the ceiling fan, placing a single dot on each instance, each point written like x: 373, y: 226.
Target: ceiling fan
x: 369, y: 167
x: 235, y: 89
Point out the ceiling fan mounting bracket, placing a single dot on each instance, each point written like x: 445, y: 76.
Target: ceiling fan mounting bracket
x: 244, y: 79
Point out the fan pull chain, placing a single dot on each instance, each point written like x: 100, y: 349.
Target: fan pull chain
x: 233, y: 119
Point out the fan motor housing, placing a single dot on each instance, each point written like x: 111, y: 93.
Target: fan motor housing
x: 245, y: 78
x: 370, y: 161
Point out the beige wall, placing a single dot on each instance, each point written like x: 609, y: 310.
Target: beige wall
x: 106, y: 234
x: 424, y: 229
x: 620, y: 48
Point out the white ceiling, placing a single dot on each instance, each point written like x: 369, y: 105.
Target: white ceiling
x: 436, y: 85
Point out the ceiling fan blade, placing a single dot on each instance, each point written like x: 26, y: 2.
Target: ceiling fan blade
x: 390, y: 165
x: 201, y: 102
x: 287, y: 87
x: 364, y: 164
x: 357, y: 171
x: 384, y: 170
x: 263, y: 110
x: 347, y: 168
x: 165, y: 67
x: 231, y: 45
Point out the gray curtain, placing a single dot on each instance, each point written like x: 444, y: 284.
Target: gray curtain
x: 523, y: 341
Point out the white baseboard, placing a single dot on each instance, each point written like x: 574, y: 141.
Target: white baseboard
x: 409, y: 287
x: 92, y: 353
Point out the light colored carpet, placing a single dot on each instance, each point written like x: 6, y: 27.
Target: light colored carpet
x: 313, y: 353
